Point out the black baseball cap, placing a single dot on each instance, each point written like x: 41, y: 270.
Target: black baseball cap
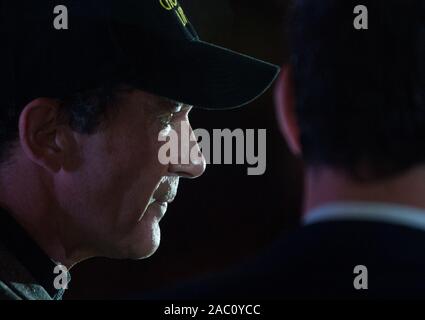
x: 55, y: 48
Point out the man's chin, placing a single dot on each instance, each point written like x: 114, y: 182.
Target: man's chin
x: 147, y: 242
x: 142, y: 241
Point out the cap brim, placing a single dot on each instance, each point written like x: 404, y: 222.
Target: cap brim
x: 209, y: 77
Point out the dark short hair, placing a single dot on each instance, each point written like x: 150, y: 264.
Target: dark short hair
x: 360, y: 94
x: 84, y: 111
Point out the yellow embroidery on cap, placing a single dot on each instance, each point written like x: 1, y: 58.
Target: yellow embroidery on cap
x: 168, y: 4
x: 182, y: 16
x: 172, y: 4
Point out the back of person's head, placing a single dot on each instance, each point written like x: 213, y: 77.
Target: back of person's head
x: 360, y: 94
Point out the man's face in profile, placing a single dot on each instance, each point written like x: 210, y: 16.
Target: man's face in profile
x: 119, y: 192
x: 83, y: 190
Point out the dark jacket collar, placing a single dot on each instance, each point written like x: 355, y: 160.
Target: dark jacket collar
x: 17, y: 241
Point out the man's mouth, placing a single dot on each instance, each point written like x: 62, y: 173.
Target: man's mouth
x: 160, y: 207
x: 161, y: 200
x: 165, y: 193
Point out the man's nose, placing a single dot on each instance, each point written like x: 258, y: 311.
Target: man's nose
x: 191, y: 162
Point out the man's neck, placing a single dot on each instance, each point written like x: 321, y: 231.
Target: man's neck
x: 28, y: 202
x: 327, y: 185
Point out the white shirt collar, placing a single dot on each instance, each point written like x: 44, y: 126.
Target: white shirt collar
x: 368, y: 211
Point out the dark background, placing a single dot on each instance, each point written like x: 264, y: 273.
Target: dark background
x: 225, y: 216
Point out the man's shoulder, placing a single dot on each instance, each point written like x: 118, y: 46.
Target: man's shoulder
x: 334, y: 245
x: 354, y: 236
x: 320, y: 260
x: 16, y: 283
x: 323, y: 259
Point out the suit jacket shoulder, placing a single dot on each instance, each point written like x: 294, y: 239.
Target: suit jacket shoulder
x: 319, y: 261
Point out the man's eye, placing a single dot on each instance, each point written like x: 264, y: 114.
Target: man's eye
x: 166, y: 120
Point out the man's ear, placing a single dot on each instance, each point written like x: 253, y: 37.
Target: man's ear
x: 42, y: 137
x: 285, y: 109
